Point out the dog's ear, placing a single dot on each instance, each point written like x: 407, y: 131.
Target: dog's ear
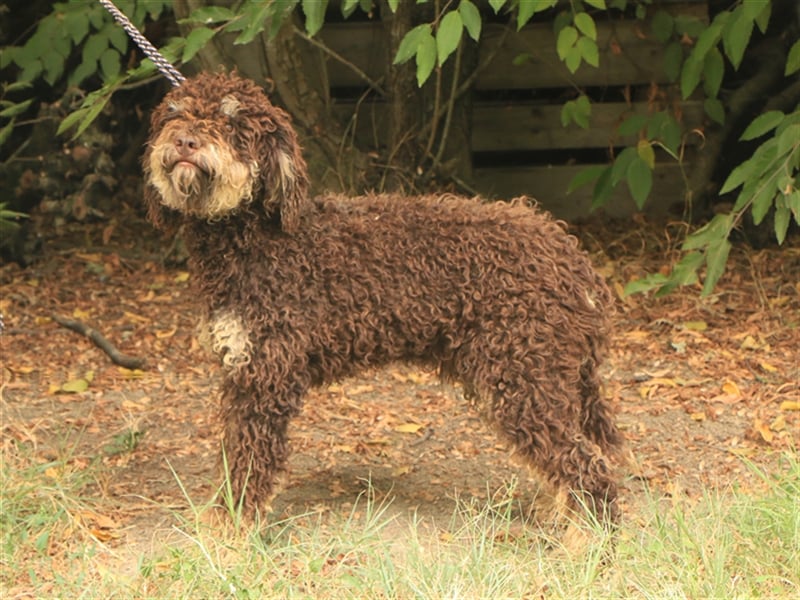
x: 294, y: 185
x: 151, y: 197
x: 284, y: 175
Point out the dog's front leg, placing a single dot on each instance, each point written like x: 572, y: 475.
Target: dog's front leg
x: 255, y: 443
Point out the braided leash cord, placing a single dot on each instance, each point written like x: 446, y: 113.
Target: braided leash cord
x: 174, y: 76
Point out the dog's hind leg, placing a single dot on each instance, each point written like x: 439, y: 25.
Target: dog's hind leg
x: 597, y: 420
x: 540, y: 409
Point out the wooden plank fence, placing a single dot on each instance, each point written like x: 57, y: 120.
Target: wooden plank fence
x: 631, y: 60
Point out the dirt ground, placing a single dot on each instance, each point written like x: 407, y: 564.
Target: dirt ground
x: 698, y: 385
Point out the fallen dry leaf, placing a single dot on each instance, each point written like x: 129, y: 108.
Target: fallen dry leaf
x: 409, y: 428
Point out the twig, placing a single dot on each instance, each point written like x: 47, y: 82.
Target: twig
x: 450, y: 107
x: 117, y: 357
x: 372, y: 84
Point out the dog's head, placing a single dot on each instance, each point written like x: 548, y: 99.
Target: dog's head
x: 217, y: 144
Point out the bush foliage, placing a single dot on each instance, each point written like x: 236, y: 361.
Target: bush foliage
x: 696, y: 57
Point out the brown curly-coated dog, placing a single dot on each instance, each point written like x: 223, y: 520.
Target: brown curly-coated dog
x: 300, y: 291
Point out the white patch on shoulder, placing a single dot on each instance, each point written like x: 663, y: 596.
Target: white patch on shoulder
x: 225, y: 335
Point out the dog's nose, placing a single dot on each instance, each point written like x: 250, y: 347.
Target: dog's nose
x: 186, y: 143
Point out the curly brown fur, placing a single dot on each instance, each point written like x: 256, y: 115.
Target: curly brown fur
x: 300, y: 291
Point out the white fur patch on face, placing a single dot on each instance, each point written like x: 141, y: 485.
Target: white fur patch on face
x: 225, y: 335
x: 210, y: 183
x: 229, y: 106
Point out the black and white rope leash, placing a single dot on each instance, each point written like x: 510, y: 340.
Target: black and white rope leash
x: 174, y: 76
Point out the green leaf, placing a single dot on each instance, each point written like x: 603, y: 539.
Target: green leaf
x: 393, y: 5
x: 16, y: 86
x: 526, y: 10
x: 314, y: 10
x: 689, y: 26
x: 752, y: 171
x: 349, y: 7
x: 210, y: 14
x: 664, y: 128
x: 793, y: 60
x: 640, y: 181
x: 645, y: 151
x: 95, y: 46
x: 783, y: 217
x: 603, y: 188
x: 586, y: 176
x: 717, y: 228
x: 736, y: 37
x: 71, y: 120
x: 684, y: 273
x: 673, y: 59
x: 601, y: 4
x: 426, y: 58
x: 585, y: 24
x: 448, y: 35
x: 645, y: 284
x: 583, y: 111
x: 632, y: 125
x: 31, y: 71
x: 15, y: 109
x: 690, y: 76
x: 109, y: 64
x: 762, y: 124
x: 495, y: 4
x: 713, y: 72
x: 716, y: 259
x: 578, y: 111
x: 567, y: 113
x: 792, y: 201
x: 411, y: 42
x: 589, y: 51
x: 565, y: 41
x: 117, y: 37
x: 707, y: 39
x: 620, y: 167
x: 81, y: 72
x: 751, y: 9
x: 197, y: 38
x: 77, y: 24
x: 715, y: 109
x: 789, y: 139
x: 53, y: 66
x: 252, y: 19
x: 84, y: 116
x: 762, y: 19
x: 561, y: 20
x: 573, y: 59
x: 471, y: 17
x: 5, y: 132
x: 8, y: 54
x: 762, y: 202
x: 521, y: 59
x: 662, y: 25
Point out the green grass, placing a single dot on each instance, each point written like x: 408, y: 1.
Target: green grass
x: 728, y: 544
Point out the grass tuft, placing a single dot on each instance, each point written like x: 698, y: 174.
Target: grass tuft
x: 726, y: 544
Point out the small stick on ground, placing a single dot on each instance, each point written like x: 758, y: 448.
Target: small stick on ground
x: 117, y: 357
